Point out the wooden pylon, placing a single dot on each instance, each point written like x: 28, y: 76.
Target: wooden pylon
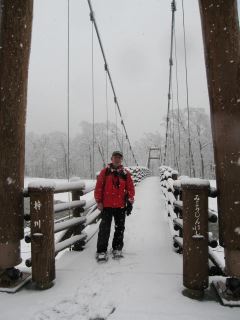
x: 220, y: 26
x: 15, y: 40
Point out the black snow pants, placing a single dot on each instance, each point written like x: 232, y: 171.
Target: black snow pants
x: 105, y: 229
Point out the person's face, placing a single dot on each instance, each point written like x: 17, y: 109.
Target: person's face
x: 116, y: 160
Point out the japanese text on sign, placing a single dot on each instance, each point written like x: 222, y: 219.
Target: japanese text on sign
x: 197, y: 225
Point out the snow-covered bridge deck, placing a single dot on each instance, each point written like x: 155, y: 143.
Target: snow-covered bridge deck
x: 146, y: 284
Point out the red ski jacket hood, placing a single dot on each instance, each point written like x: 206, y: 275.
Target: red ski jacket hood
x: 113, y: 187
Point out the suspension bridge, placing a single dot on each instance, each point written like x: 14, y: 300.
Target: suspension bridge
x: 152, y: 277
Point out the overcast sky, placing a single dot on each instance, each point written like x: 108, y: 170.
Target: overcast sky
x: 136, y: 38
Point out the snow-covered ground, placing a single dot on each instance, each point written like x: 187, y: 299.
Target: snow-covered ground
x: 145, y: 285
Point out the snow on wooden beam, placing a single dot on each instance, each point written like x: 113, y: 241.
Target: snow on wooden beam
x: 89, y: 204
x: 92, y: 217
x: 62, y: 187
x: 69, y: 223
x: 69, y: 186
x: 178, y: 185
x: 216, y: 260
x: 91, y: 230
x: 59, y: 207
x: 88, y: 188
x: 212, y: 214
x: 67, y: 243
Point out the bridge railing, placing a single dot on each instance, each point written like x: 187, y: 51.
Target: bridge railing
x: 43, y: 228
x: 189, y: 217
x: 139, y: 173
x: 47, y: 236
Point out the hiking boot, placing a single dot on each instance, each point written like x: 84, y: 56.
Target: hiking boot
x: 101, y: 256
x: 117, y: 254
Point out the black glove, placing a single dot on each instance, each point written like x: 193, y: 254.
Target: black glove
x: 129, y: 208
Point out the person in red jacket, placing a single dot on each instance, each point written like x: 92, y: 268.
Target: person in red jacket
x: 114, y: 190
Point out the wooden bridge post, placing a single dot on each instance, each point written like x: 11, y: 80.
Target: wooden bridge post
x: 78, y: 246
x: 42, y: 235
x: 15, y: 41
x: 220, y: 26
x: 195, y: 235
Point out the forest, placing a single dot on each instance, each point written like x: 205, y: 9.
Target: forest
x: 47, y: 154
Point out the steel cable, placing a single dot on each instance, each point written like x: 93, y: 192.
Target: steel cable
x: 93, y: 19
x: 173, y: 8
x: 190, y: 154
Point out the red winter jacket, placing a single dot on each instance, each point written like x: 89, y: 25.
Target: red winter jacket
x: 113, y: 186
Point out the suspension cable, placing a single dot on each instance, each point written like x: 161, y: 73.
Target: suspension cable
x: 68, y: 102
x: 173, y: 8
x: 107, y: 126
x: 122, y: 136
x: 178, y: 104
x: 93, y: 108
x: 93, y: 19
x: 190, y: 154
x: 68, y: 90
x: 116, y: 127
x: 169, y: 144
x: 100, y: 150
x: 173, y: 134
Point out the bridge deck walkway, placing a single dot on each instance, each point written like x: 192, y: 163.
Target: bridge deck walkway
x: 146, y: 284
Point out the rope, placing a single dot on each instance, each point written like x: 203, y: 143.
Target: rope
x: 190, y: 155
x: 93, y: 19
x: 93, y: 108
x: 173, y: 8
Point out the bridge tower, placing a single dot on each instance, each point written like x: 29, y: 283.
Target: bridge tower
x: 220, y: 26
x: 154, y: 153
x: 15, y: 43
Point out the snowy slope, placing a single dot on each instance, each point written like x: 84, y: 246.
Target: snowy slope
x: 145, y: 285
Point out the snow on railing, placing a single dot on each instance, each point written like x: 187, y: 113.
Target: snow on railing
x: 196, y: 205
x: 74, y: 232
x: 139, y: 173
